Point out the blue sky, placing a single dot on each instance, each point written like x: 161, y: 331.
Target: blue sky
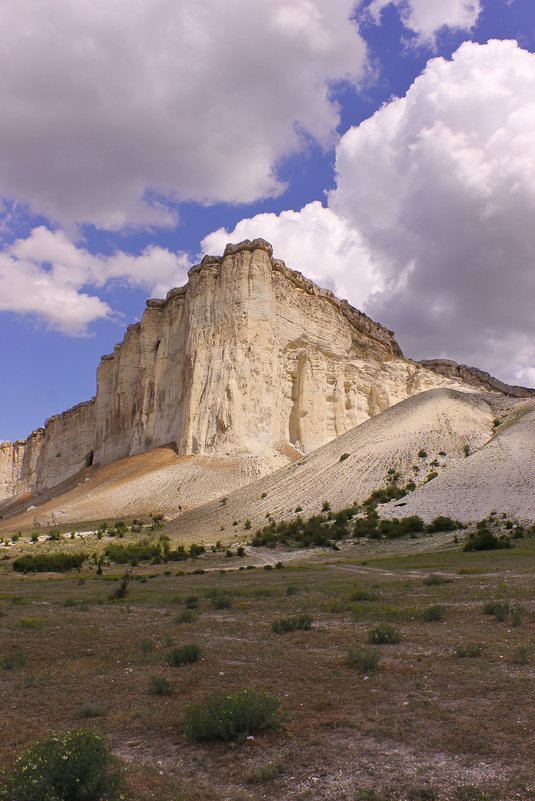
x: 386, y: 148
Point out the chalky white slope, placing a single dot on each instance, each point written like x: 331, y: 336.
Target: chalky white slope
x: 499, y: 475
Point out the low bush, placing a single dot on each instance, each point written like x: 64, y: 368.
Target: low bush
x: 365, y: 659
x: 484, y: 540
x: 499, y: 609
x: 521, y: 655
x: 471, y: 650
x: 91, y: 709
x: 186, y: 616
x: 49, y: 562
x: 221, y: 601
x: 74, y: 765
x: 13, y: 661
x: 183, y: 655
x: 362, y: 595
x: 383, y: 634
x: 434, y: 580
x: 231, y: 714
x: 399, y: 527
x: 160, y: 685
x: 435, y: 612
x: 284, y: 624
x: 442, y: 523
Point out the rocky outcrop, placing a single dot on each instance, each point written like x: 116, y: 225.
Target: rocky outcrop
x: 248, y: 358
x: 474, y: 377
x: 50, y: 454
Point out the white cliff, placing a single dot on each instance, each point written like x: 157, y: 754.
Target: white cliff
x: 248, y: 359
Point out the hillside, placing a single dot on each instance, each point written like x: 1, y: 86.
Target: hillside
x: 439, y: 421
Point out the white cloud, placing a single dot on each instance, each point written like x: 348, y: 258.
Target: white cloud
x: 441, y: 184
x: 46, y: 274
x: 426, y: 17
x: 315, y: 241
x: 109, y: 109
x: 437, y: 192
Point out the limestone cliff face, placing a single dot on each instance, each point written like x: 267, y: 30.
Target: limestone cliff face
x: 50, y: 454
x: 475, y: 377
x: 248, y: 358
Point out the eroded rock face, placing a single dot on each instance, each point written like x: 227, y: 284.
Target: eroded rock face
x: 247, y: 358
x: 475, y: 377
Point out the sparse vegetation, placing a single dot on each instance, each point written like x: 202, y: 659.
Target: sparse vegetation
x: 384, y: 634
x: 470, y: 650
x: 435, y: 612
x: 282, y: 625
x: 183, y: 655
x: 231, y: 714
x: 365, y: 659
x: 160, y: 685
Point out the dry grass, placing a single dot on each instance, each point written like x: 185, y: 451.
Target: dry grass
x: 424, y: 721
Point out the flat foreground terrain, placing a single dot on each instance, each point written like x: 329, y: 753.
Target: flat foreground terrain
x: 447, y: 714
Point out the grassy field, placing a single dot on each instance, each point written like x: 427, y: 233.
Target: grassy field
x: 447, y: 713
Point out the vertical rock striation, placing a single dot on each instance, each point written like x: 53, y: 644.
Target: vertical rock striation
x: 247, y: 358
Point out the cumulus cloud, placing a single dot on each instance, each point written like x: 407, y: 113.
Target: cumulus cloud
x: 426, y: 17
x: 315, y: 241
x: 437, y: 191
x: 49, y: 276
x: 441, y: 186
x: 112, y: 110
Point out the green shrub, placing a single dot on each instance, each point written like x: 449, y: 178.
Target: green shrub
x: 521, y: 655
x: 12, y: 661
x: 147, y: 646
x: 443, y: 523
x: 366, y: 659
x: 284, y: 624
x: 292, y: 589
x: 435, y: 612
x: 160, y: 685
x: 183, y: 655
x: 91, y: 709
x: 383, y: 634
x: 221, y: 601
x: 343, y: 457
x: 434, y: 580
x: 422, y: 454
x: 192, y: 601
x: 471, y: 650
x: 231, y: 714
x: 265, y: 773
x: 500, y: 609
x: 399, y: 527
x: 74, y: 765
x: 362, y: 595
x: 484, y: 540
x: 51, y: 562
x: 186, y: 616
